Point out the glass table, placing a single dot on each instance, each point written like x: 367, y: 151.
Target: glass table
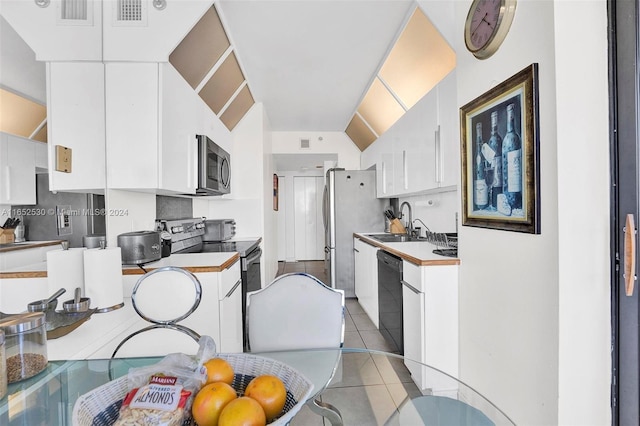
x: 366, y: 386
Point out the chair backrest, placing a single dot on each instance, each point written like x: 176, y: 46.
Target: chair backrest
x: 295, y: 311
x: 163, y: 297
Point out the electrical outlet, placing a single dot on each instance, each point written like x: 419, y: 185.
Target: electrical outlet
x: 63, y: 214
x: 63, y: 159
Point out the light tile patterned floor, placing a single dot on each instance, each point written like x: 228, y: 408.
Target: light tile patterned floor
x: 370, y: 378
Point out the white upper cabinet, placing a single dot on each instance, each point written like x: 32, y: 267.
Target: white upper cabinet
x: 76, y: 120
x: 18, y: 170
x: 152, y: 120
x: 448, y: 120
x: 420, y: 152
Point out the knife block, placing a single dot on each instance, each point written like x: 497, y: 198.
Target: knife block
x: 6, y: 236
x: 396, y: 227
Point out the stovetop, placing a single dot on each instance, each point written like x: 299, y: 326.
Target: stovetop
x: 242, y: 247
x: 186, y: 237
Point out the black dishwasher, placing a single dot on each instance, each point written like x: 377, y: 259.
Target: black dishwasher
x: 390, y: 299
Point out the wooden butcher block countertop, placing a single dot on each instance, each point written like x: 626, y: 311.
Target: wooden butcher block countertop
x: 417, y: 252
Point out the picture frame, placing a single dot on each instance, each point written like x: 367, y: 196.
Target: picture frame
x: 500, y: 156
x: 275, y: 192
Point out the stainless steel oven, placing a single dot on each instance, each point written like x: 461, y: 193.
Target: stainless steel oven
x: 214, y: 168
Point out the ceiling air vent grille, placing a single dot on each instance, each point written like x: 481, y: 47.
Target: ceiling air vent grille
x: 304, y: 143
x: 75, y: 12
x: 130, y: 13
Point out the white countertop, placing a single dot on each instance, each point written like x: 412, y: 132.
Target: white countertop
x: 417, y: 252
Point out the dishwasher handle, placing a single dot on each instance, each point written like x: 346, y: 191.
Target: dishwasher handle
x: 390, y: 260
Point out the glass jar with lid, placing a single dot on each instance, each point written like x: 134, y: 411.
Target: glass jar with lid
x: 25, y: 345
x: 3, y: 368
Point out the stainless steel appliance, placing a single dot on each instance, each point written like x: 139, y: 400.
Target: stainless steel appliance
x: 187, y: 237
x: 139, y: 247
x: 390, y: 300
x: 349, y: 205
x: 219, y: 229
x: 214, y: 168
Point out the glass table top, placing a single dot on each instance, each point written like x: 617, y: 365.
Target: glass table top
x: 366, y: 386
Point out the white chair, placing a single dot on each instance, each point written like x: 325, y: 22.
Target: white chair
x: 297, y: 311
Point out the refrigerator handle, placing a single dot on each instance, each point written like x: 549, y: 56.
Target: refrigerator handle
x: 324, y: 208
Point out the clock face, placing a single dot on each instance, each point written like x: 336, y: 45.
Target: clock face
x: 484, y: 22
x: 487, y: 24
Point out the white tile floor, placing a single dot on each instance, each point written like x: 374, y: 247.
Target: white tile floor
x: 371, y: 378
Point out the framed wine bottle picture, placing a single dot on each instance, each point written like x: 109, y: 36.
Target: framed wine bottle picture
x: 499, y: 154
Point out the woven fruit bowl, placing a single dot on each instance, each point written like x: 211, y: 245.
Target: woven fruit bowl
x: 101, y: 406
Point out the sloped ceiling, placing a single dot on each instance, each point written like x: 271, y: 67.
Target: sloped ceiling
x: 311, y: 61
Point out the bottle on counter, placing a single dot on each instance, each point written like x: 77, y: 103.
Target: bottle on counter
x: 512, y: 162
x: 480, y: 193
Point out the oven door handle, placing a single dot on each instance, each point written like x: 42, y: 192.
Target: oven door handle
x: 233, y: 289
x: 252, y: 258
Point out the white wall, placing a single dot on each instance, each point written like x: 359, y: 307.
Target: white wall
x: 437, y: 211
x: 534, y: 309
x: 332, y: 142
x: 583, y: 239
x: 270, y: 234
x: 250, y: 202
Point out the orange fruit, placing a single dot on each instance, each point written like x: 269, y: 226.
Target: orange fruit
x: 243, y: 411
x: 270, y: 392
x: 219, y: 370
x: 209, y: 402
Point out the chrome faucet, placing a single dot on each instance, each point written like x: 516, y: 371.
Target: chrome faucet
x: 410, y: 230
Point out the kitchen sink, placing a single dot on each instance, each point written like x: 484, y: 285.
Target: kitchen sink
x: 393, y: 238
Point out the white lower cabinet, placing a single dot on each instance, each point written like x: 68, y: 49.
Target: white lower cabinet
x: 219, y: 315
x: 430, y: 323
x: 230, y: 303
x: 366, y: 278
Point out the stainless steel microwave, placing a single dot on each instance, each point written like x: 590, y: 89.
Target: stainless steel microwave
x: 214, y: 168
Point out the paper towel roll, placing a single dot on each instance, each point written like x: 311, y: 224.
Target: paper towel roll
x: 103, y: 277
x: 65, y: 269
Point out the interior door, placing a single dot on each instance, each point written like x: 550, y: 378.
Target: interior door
x: 625, y: 147
x: 308, y: 224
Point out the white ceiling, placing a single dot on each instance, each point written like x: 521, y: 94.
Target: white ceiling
x: 311, y: 61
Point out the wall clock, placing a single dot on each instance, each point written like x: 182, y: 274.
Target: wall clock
x: 487, y: 25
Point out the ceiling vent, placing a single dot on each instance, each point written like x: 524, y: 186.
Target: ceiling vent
x: 75, y: 12
x: 130, y: 13
x: 304, y: 143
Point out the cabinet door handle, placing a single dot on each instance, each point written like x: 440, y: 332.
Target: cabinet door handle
x: 629, y: 255
x: 356, y: 250
x: 233, y: 289
x: 438, y: 154
x: 410, y: 287
x: 8, y: 183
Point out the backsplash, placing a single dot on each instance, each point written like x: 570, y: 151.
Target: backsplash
x: 173, y: 207
x: 43, y: 227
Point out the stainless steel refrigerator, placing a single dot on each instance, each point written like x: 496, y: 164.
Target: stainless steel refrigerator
x: 349, y: 205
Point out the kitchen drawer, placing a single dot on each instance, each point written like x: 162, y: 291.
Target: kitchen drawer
x: 412, y: 274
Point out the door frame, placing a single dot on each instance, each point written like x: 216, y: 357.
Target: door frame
x: 624, y: 109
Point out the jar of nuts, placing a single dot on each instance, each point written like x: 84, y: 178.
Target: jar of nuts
x: 25, y: 345
x: 3, y: 368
